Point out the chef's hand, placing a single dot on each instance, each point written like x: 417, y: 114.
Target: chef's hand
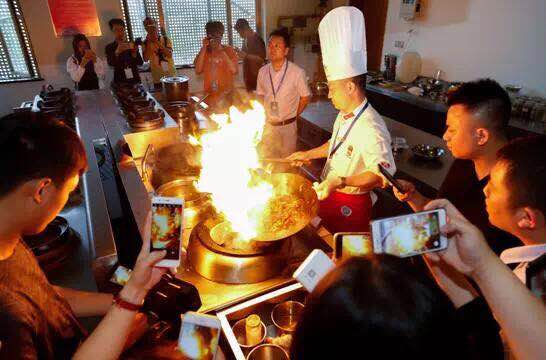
x: 298, y: 158
x: 325, y: 188
x: 467, y: 251
x: 409, y: 191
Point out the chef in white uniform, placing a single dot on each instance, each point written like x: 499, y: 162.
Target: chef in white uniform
x: 360, y: 140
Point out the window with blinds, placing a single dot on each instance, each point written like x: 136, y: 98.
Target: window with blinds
x: 17, y: 62
x: 185, y: 21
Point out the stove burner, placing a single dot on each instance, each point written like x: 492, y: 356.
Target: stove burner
x: 53, y: 246
x: 232, y: 266
x: 146, y: 120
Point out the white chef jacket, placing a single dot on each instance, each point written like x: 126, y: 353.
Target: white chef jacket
x: 367, y: 145
x: 522, y: 255
x: 294, y: 86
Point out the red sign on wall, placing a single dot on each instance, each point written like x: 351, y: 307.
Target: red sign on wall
x: 72, y: 17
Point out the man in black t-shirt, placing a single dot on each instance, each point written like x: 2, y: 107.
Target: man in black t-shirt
x: 252, y: 53
x: 477, y: 118
x: 123, y: 56
x: 41, y: 164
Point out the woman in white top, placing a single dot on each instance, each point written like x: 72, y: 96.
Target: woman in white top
x: 85, y: 68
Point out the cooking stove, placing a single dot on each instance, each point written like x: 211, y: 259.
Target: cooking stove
x: 217, y: 295
x: 55, y: 245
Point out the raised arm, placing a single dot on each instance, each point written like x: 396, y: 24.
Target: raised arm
x: 199, y: 61
x: 521, y: 315
x: 108, y: 339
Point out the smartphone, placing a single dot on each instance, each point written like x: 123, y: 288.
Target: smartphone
x: 199, y: 335
x: 167, y: 221
x: 409, y: 235
x: 121, y: 275
x: 390, y: 178
x: 347, y: 244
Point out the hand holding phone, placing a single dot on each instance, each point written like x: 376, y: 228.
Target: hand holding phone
x: 391, y: 179
x: 166, y: 229
x: 199, y: 335
x: 410, y: 235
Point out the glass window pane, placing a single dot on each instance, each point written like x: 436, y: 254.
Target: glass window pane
x: 136, y: 12
x: 245, y: 9
x: 185, y: 21
x: 13, y: 65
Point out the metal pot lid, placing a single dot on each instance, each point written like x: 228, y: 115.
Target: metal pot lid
x: 175, y: 79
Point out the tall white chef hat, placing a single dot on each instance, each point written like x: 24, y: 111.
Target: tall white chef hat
x: 343, y: 43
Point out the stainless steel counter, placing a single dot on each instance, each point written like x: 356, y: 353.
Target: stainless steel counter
x: 102, y: 111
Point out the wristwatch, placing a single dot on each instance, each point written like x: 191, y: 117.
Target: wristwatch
x: 126, y: 304
x: 343, y: 181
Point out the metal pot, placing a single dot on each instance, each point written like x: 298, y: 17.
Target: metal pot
x: 197, y: 205
x: 232, y: 266
x: 173, y: 162
x: 175, y: 88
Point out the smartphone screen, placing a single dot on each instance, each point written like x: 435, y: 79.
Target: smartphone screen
x: 352, y: 244
x: 121, y: 275
x: 409, y: 235
x: 167, y: 228
x: 199, y: 336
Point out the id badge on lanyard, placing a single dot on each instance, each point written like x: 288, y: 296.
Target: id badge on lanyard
x: 274, y: 105
x: 274, y: 109
x: 128, y: 73
x: 336, y: 145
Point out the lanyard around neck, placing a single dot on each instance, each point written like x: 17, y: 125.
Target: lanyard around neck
x: 335, y: 146
x: 275, y: 92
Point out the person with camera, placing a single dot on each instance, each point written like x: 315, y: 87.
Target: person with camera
x: 476, y: 125
x: 86, y: 69
x: 122, y: 55
x: 217, y: 63
x: 44, y: 160
x: 252, y: 53
x: 158, y: 50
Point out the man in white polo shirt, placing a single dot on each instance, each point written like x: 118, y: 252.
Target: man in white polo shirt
x: 283, y: 86
x: 360, y: 140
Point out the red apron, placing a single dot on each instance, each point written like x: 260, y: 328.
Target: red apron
x: 346, y: 212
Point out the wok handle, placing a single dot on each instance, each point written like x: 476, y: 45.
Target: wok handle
x: 309, y: 174
x: 149, y: 150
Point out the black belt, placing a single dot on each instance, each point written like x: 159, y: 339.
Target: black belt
x: 284, y: 122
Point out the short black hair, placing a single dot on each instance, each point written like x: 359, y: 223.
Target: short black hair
x: 487, y: 97
x: 32, y: 147
x: 379, y: 303
x: 282, y: 32
x: 214, y: 27
x: 242, y: 24
x: 525, y: 177
x: 115, y: 21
